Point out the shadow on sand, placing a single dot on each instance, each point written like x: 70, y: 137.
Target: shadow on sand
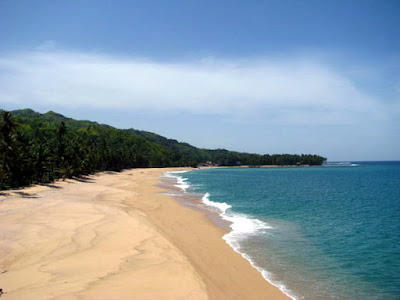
x: 83, y: 179
x: 26, y: 195
x: 51, y: 185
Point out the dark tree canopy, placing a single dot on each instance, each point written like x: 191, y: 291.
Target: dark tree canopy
x: 37, y: 148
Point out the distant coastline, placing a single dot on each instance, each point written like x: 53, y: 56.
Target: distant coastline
x: 41, y: 148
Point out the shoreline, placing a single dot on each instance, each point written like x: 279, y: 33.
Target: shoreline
x: 216, y: 213
x: 55, y: 237
x: 192, y: 201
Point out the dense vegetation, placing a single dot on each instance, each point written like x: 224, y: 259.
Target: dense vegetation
x: 37, y: 148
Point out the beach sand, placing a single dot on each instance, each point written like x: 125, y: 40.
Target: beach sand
x: 114, y: 236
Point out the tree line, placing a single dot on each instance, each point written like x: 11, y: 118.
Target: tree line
x: 39, y: 148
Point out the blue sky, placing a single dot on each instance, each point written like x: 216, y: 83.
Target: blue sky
x: 262, y: 76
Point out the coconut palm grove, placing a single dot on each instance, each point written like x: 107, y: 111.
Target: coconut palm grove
x: 40, y: 148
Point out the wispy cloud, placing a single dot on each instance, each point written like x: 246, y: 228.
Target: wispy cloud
x: 291, y: 90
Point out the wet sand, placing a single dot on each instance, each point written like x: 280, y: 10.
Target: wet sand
x: 115, y: 236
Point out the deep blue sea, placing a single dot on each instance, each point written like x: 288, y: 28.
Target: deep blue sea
x: 327, y: 232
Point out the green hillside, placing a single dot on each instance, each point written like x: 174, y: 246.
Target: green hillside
x: 38, y: 148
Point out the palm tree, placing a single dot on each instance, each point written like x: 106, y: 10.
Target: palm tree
x: 7, y: 131
x: 41, y: 160
x: 62, y: 131
x: 66, y: 170
x: 7, y: 126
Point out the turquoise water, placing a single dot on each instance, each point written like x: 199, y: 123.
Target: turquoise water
x: 329, y: 232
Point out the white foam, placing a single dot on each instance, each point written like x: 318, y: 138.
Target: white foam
x: 340, y: 164
x: 173, y: 172
x: 182, y: 184
x: 181, y: 181
x: 170, y: 174
x: 223, y: 207
x: 245, y: 225
x: 242, y: 226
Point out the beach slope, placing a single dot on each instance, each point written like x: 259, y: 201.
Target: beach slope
x: 114, y: 236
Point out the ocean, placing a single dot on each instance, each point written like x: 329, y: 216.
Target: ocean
x: 326, y: 232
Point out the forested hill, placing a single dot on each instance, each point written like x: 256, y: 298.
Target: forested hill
x: 38, y: 147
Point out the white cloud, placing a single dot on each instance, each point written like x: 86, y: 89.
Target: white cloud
x: 299, y: 91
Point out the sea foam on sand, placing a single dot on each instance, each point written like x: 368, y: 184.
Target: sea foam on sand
x: 241, y: 227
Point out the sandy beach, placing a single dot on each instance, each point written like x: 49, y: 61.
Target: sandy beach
x: 115, y: 236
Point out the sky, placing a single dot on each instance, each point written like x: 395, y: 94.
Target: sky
x: 312, y: 77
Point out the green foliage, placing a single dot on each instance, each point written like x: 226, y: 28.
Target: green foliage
x: 37, y: 148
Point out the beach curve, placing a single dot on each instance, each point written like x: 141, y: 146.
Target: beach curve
x: 114, y: 236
